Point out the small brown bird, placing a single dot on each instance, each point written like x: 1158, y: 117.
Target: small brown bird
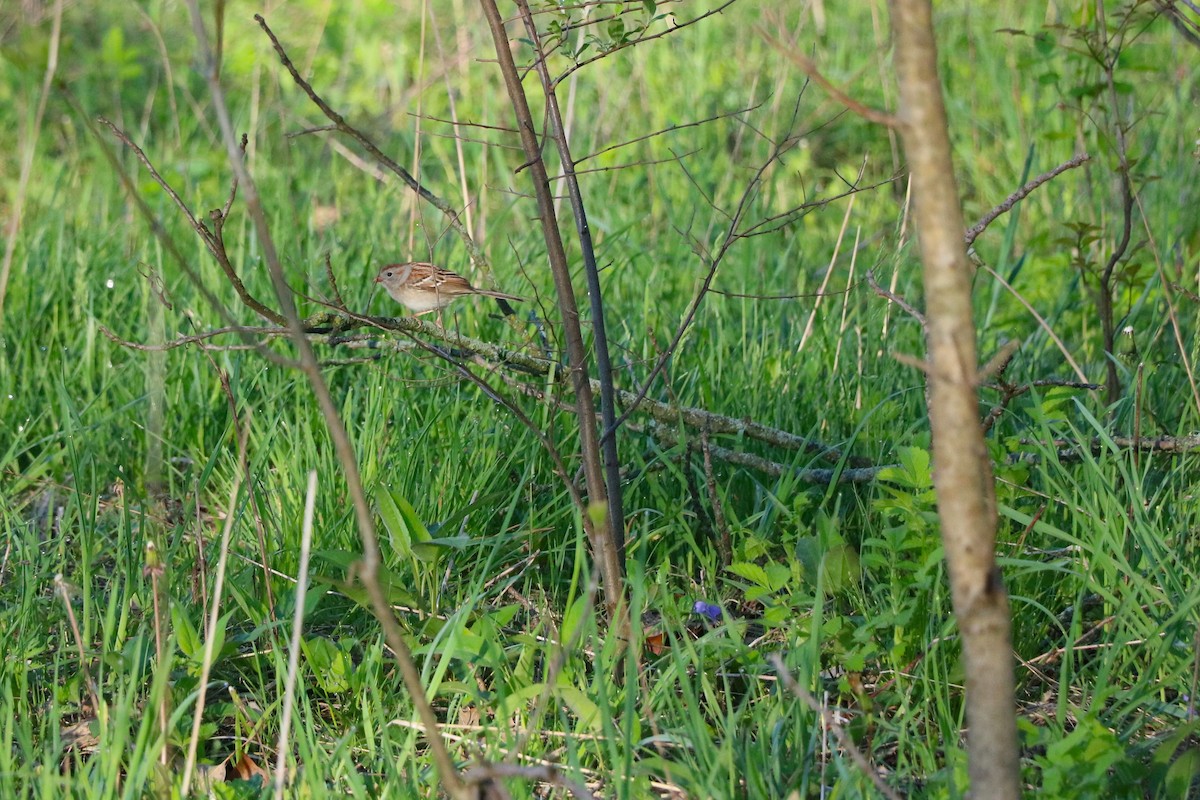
x: 422, y: 287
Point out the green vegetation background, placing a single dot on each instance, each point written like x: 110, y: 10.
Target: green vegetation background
x: 1099, y: 551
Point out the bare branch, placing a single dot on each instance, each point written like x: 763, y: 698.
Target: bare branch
x: 212, y: 238
x: 786, y: 218
x: 474, y: 251
x: 1045, y: 325
x: 792, y: 53
x: 666, y: 130
x: 713, y: 261
x: 773, y: 468
x: 962, y: 475
x: 368, y: 568
x: 160, y: 232
x: 649, y: 38
x: 1020, y: 194
x: 604, y: 370
x: 895, y: 298
x: 600, y: 529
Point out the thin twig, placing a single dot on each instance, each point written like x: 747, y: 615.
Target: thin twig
x: 64, y: 591
x: 244, y: 459
x: 713, y: 261
x: 1009, y: 392
x: 1062, y: 347
x: 159, y: 231
x: 368, y: 570
x: 1172, y: 312
x: 830, y: 722
x: 212, y: 238
x: 474, y: 251
x: 820, y: 477
x: 1125, y: 183
x: 895, y: 298
x: 666, y: 130
x: 678, y: 26
x: 792, y: 53
x: 1020, y: 194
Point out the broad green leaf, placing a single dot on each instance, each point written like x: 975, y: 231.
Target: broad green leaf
x: 572, y: 619
x: 393, y: 586
x: 218, y: 643
x: 330, y: 663
x: 840, y: 568
x: 778, y: 576
x: 517, y: 699
x: 751, y: 572
x: 408, y: 533
x: 186, y: 634
x: 584, y: 707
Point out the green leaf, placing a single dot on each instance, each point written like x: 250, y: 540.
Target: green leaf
x: 218, y: 642
x: 583, y: 706
x: 840, y: 568
x: 464, y: 645
x: 751, y: 572
x: 1086, y: 90
x: 572, y: 619
x: 330, y: 663
x: 778, y: 576
x: 186, y: 634
x: 1183, y: 773
x: 514, y: 700
x: 393, y: 586
x: 808, y: 553
x: 1171, y: 776
x: 112, y: 46
x: 408, y: 533
x: 914, y: 471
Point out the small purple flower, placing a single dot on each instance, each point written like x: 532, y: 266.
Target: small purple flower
x: 710, y: 610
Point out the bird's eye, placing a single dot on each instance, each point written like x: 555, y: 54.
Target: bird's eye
x: 388, y: 274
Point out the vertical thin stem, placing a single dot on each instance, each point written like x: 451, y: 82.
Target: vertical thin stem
x: 608, y: 414
x: 289, y: 692
x: 368, y: 571
x: 599, y: 525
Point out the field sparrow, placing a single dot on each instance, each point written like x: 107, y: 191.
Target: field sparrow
x: 422, y: 287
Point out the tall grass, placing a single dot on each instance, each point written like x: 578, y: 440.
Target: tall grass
x: 846, y: 582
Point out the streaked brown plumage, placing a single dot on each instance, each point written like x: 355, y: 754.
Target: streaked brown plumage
x: 422, y: 287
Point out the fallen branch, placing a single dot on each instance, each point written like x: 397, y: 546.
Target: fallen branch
x: 1070, y: 451
x: 773, y: 468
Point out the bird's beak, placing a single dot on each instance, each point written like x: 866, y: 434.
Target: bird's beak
x: 378, y: 279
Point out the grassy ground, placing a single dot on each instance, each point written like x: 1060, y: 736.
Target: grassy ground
x: 846, y: 584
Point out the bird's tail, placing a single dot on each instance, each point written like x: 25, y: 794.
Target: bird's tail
x: 500, y: 295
